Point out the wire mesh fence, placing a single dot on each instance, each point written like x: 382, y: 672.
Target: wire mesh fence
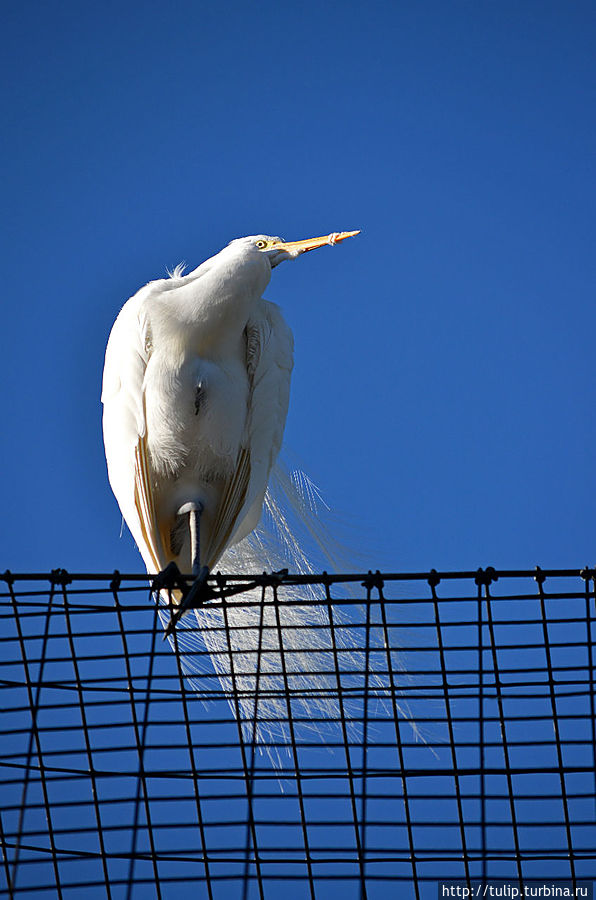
x: 439, y: 727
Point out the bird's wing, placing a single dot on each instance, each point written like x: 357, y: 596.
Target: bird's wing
x: 124, y: 427
x: 269, y: 362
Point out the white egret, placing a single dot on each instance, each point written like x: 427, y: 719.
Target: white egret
x: 195, y: 392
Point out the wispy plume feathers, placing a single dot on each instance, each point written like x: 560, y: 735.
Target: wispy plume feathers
x: 285, y: 659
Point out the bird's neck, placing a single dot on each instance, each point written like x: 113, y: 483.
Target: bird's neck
x: 207, y: 316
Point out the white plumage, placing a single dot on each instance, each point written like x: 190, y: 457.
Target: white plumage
x: 195, y: 392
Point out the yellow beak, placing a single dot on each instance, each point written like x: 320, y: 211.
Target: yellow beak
x: 296, y: 247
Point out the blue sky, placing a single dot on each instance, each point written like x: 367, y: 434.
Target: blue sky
x: 444, y: 384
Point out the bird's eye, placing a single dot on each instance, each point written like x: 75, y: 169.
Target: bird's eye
x: 261, y: 245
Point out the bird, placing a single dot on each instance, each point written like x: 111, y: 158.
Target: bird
x: 195, y: 396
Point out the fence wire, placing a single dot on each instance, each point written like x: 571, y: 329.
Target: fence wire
x: 442, y: 726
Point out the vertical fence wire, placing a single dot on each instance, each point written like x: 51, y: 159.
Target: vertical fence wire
x: 396, y: 716
x: 346, y: 745
x: 540, y: 579
x: 293, y: 744
x: 254, y: 737
x: 481, y: 728
x: 251, y: 848
x: 433, y: 582
x: 85, y: 729
x: 590, y: 575
x: 192, y: 758
x: 34, y: 737
x: 503, y: 729
x: 4, y: 856
x: 142, y: 793
x: 369, y: 584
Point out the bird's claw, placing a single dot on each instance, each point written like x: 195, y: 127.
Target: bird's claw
x: 168, y: 579
x: 198, y: 594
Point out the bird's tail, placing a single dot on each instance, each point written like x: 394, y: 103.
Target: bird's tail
x: 292, y: 665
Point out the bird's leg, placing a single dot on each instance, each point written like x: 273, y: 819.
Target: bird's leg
x: 194, y: 511
x: 197, y: 593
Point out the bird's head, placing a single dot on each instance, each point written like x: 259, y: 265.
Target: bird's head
x: 276, y: 250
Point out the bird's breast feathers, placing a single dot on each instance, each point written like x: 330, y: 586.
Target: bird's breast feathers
x: 196, y: 415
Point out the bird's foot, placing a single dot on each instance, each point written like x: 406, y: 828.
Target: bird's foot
x: 198, y: 594
x: 168, y: 579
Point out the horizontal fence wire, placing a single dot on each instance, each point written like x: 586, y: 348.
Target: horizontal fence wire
x: 298, y: 736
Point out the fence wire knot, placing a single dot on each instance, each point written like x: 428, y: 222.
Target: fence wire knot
x: 485, y: 577
x: 8, y: 577
x: 273, y: 579
x: 434, y: 578
x: 116, y: 581
x: 60, y: 577
x: 373, y: 580
x: 539, y: 577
